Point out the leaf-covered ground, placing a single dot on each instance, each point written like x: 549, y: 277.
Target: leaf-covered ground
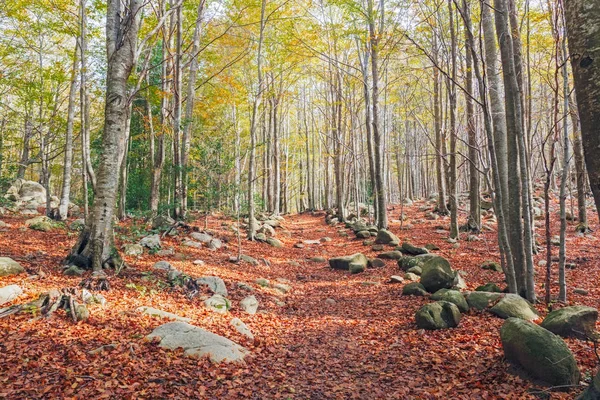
x: 364, y: 345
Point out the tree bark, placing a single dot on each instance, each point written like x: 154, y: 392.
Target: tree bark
x: 582, y: 21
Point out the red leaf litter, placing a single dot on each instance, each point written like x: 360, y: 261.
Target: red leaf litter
x: 333, y: 336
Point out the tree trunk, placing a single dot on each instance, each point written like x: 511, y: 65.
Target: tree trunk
x: 63, y: 208
x: 453, y: 134
x: 582, y: 20
x: 95, y: 247
x: 442, y: 207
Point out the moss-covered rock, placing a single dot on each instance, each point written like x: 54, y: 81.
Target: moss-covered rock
x: 482, y: 300
x: 491, y: 266
x: 390, y: 255
x: 452, y: 296
x: 437, y: 274
x: 438, y: 315
x: 513, y: 305
x: 409, y: 249
x: 489, y: 287
x: 343, y: 263
x: 414, y: 289
x: 538, y: 351
x: 575, y: 321
x: 416, y: 270
x: 386, y: 237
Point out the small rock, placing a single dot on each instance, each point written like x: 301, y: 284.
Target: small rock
x: 242, y: 328
x: 414, y: 289
x: 133, y: 250
x: 9, y: 293
x: 249, y: 304
x: 325, y: 239
x: 415, y: 270
x: 274, y: 242
x: 262, y: 282
x: 411, y: 277
x: 438, y: 315
x: 317, y: 259
x: 151, y: 242
x: 248, y: 259
x: 376, y: 263
x: 245, y: 286
x: 218, y: 304
x: 377, y: 247
x: 396, y: 279
x: 162, y: 265
x: 155, y: 312
x: 489, y: 287
x: 582, y: 292
x: 331, y: 302
x: 215, y: 284
x: 386, y: 237
x: 491, y: 266
x: 166, y: 252
x: 73, y: 270
x: 192, y: 243
x: 283, y: 288
x: 199, y: 262
x: 390, y: 255
x: 363, y: 235
x: 299, y: 245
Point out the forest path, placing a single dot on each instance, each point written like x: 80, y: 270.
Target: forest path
x: 333, y: 336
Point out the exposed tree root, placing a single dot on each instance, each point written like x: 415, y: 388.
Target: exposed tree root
x: 50, y: 302
x: 98, y: 281
x: 187, y: 283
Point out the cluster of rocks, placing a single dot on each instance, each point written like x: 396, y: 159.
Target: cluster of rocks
x: 28, y: 197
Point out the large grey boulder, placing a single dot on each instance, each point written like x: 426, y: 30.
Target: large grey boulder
x: 452, y: 296
x: 8, y: 267
x: 437, y: 274
x: 575, y: 321
x: 155, y: 312
x: 386, y: 237
x: 9, y: 293
x: 354, y: 263
x: 41, y: 223
x: 162, y: 222
x: 201, y: 237
x: 197, y: 342
x: 513, y: 305
x: 538, y: 351
x: 214, y: 284
x: 274, y: 242
x: 133, y: 250
x: 438, y: 315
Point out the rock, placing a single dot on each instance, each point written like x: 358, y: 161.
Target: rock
x: 282, y: 287
x: 317, y: 259
x: 218, y: 303
x: 245, y: 286
x: 214, y: 283
x: 262, y: 282
x: 414, y: 289
x: 437, y: 274
x: 325, y: 239
x: 173, y: 274
x: 459, y: 283
x: 575, y: 321
x: 166, y: 252
x: 215, y: 244
x: 9, y: 267
x: 539, y: 352
x: 261, y: 237
x: 409, y: 249
x: 555, y: 240
x: 354, y: 263
x: 272, y: 222
x: 4, y: 225
x: 482, y: 300
x: 192, y: 243
x: 411, y: 277
x: 267, y: 230
x: 438, y: 315
x: 249, y: 304
x: 274, y: 242
x: 376, y: 263
x: 299, y: 245
x: 133, y: 250
x: 197, y: 342
x: 77, y: 225
x: 199, y: 262
x: 162, y: 222
x: 491, y: 266
x: 201, y: 237
x: 582, y: 292
x: 390, y: 255
x: 386, y: 237
x: 331, y: 302
x: 73, y: 270
x: 41, y: 223
x: 363, y: 235
x: 405, y: 263
x: 396, y: 279
x: 513, y: 305
x: 452, y: 296
x: 162, y: 266
x: 9, y: 293
x: 248, y: 259
x: 375, y: 247
x: 81, y: 311
x: 155, y: 312
x: 311, y: 242
x: 90, y: 298
x: 489, y: 287
x: 431, y: 246
x: 415, y: 270
x: 242, y: 328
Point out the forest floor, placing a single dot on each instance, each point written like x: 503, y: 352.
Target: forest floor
x: 365, y: 345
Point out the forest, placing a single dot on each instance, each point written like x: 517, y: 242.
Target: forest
x: 310, y: 199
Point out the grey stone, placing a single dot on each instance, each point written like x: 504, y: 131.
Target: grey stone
x: 415, y: 270
x: 452, y: 296
x: 155, y: 312
x: 162, y: 266
x: 349, y: 263
x: 376, y: 263
x: 41, y: 223
x: 409, y: 249
x: 192, y: 243
x: 133, y: 250
x: 411, y: 277
x: 491, y: 266
x: 396, y: 279
x: 482, y: 300
x: 151, y: 242
x: 489, y: 287
x: 538, y: 351
x: 9, y: 293
x: 274, y: 242
x: 242, y: 328
x: 201, y: 237
x: 414, y: 289
x: 438, y: 315
x: 390, y: 255
x: 214, y: 284
x: 73, y: 270
x: 9, y: 267
x: 437, y: 274
x: 249, y: 259
x: 218, y: 304
x: 513, y: 305
x: 249, y: 304
x: 575, y: 321
x: 77, y: 225
x: 386, y: 237
x: 198, y: 342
